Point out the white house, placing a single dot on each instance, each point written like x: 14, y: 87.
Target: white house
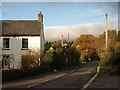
x: 18, y: 36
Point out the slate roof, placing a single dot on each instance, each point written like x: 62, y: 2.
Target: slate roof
x: 20, y: 28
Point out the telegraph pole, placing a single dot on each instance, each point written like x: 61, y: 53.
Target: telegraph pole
x: 62, y: 41
x: 106, y: 36
x: 68, y: 38
x: 40, y: 22
x: 42, y: 39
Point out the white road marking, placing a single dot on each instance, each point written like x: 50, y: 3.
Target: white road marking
x: 91, y: 80
x: 60, y: 75
x: 18, y: 84
x: 46, y: 80
x: 15, y: 84
x: 32, y: 85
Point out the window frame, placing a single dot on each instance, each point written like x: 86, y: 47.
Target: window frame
x: 6, y: 44
x: 24, y: 43
x: 6, y: 61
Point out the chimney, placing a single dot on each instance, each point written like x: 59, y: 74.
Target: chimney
x: 40, y: 17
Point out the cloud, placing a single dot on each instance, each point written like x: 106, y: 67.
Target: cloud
x: 113, y: 23
x: 55, y: 32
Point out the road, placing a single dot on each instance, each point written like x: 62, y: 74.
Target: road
x: 70, y: 78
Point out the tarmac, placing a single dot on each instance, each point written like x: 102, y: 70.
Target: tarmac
x: 104, y: 81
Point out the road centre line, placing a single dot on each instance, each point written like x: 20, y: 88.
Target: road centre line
x: 46, y: 80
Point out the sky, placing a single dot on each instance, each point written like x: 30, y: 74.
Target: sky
x: 75, y: 18
x: 60, y: 0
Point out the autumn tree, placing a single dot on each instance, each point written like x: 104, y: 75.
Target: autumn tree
x: 110, y: 59
x: 56, y: 44
x: 84, y: 44
x: 100, y: 40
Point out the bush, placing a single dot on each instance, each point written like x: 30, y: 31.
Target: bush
x: 114, y: 63
x: 75, y: 56
x: 47, y: 59
x: 30, y: 59
x: 110, y: 62
x: 58, y: 59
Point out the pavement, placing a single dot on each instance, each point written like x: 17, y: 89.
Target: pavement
x: 106, y: 82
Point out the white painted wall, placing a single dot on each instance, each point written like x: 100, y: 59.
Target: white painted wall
x: 34, y: 42
x: 16, y: 46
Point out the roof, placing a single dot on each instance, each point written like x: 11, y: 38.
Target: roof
x: 20, y: 28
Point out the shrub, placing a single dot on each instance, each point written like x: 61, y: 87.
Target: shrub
x: 31, y: 59
x: 58, y: 58
x: 47, y: 59
x: 75, y: 56
x: 110, y: 61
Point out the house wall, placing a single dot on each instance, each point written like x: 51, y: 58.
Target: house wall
x: 16, y: 49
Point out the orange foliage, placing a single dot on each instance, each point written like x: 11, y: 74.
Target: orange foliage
x: 56, y: 43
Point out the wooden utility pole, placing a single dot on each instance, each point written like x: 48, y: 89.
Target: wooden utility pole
x: 40, y: 22
x: 62, y: 41
x: 106, y: 36
x: 42, y: 39
x: 68, y: 38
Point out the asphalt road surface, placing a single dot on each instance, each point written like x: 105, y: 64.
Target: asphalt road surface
x: 75, y: 77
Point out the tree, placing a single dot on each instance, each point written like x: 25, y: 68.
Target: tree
x: 47, y: 45
x: 110, y: 59
x: 58, y: 58
x: 47, y: 59
x: 84, y: 44
x: 56, y: 44
x: 100, y: 41
x: 110, y: 62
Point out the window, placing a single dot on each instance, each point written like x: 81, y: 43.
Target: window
x: 6, y: 61
x: 5, y: 42
x: 24, y: 43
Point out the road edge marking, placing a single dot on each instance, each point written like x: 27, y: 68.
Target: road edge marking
x: 32, y: 85
x: 92, y: 79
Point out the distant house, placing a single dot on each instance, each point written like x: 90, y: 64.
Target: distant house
x: 16, y: 40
